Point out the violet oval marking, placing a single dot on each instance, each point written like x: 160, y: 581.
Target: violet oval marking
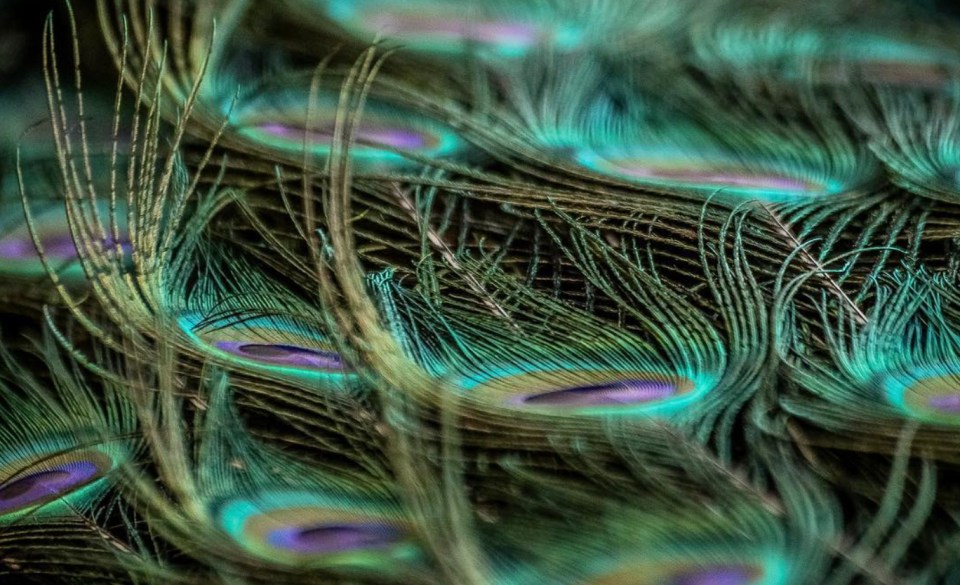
x: 620, y: 392
x: 59, y: 246
x: 334, y: 538
x: 947, y: 403
x: 713, y: 178
x: 282, y: 354
x: 18, y: 248
x: 42, y: 486
x: 492, y: 32
x: 371, y: 135
x: 722, y: 575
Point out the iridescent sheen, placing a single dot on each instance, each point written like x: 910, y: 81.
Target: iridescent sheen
x: 368, y: 135
x: 50, y: 479
x: 333, y: 538
x: 58, y: 247
x: 720, y: 575
x: 622, y: 392
x: 18, y: 253
x: 708, y: 173
x: 386, y: 134
x: 455, y: 28
x: 553, y: 390
x: 317, y: 529
x: 272, y: 344
x: 288, y: 355
x: 931, y: 394
x: 948, y: 403
x: 690, y: 572
x: 808, y: 44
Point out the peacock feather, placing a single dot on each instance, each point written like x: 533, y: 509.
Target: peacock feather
x: 60, y: 451
x: 499, y: 33
x: 618, y: 120
x: 900, y: 360
x: 883, y: 43
x: 479, y: 292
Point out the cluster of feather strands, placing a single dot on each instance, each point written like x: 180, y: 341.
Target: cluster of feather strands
x: 511, y: 292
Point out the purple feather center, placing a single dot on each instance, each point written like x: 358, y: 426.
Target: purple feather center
x: 631, y: 391
x: 334, y: 538
x: 59, y: 246
x: 379, y: 136
x: 949, y: 403
x: 723, y: 575
x: 445, y: 27
x: 42, y: 486
x: 714, y: 177
x: 286, y: 355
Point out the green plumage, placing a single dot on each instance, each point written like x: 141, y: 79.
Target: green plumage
x: 469, y: 293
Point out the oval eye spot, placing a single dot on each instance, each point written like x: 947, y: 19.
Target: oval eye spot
x: 332, y: 538
x: 721, y: 575
x: 45, y: 485
x: 16, y: 248
x: 633, y: 391
x: 371, y: 135
x: 284, y: 354
x: 23, y: 486
x: 711, y: 175
x: 449, y: 27
x: 281, y: 351
x: 949, y: 403
x: 58, y: 246
x: 931, y: 397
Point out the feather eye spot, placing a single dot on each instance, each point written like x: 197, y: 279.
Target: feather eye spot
x: 386, y: 134
x: 719, y: 575
x: 703, y: 175
x: 302, y: 528
x: 447, y: 28
x: 370, y: 135
x: 18, y: 251
x: 59, y: 246
x: 930, y: 397
x: 633, y: 391
x: 334, y: 538
x: 689, y: 572
x: 48, y: 481
x: 274, y: 344
x: 504, y: 34
x: 949, y: 403
x: 286, y: 355
x: 576, y: 391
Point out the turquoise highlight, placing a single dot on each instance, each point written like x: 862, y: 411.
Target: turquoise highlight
x: 386, y: 134
x: 494, y: 32
x: 703, y: 384
x: 770, y: 185
x: 359, y: 533
x: 189, y: 324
